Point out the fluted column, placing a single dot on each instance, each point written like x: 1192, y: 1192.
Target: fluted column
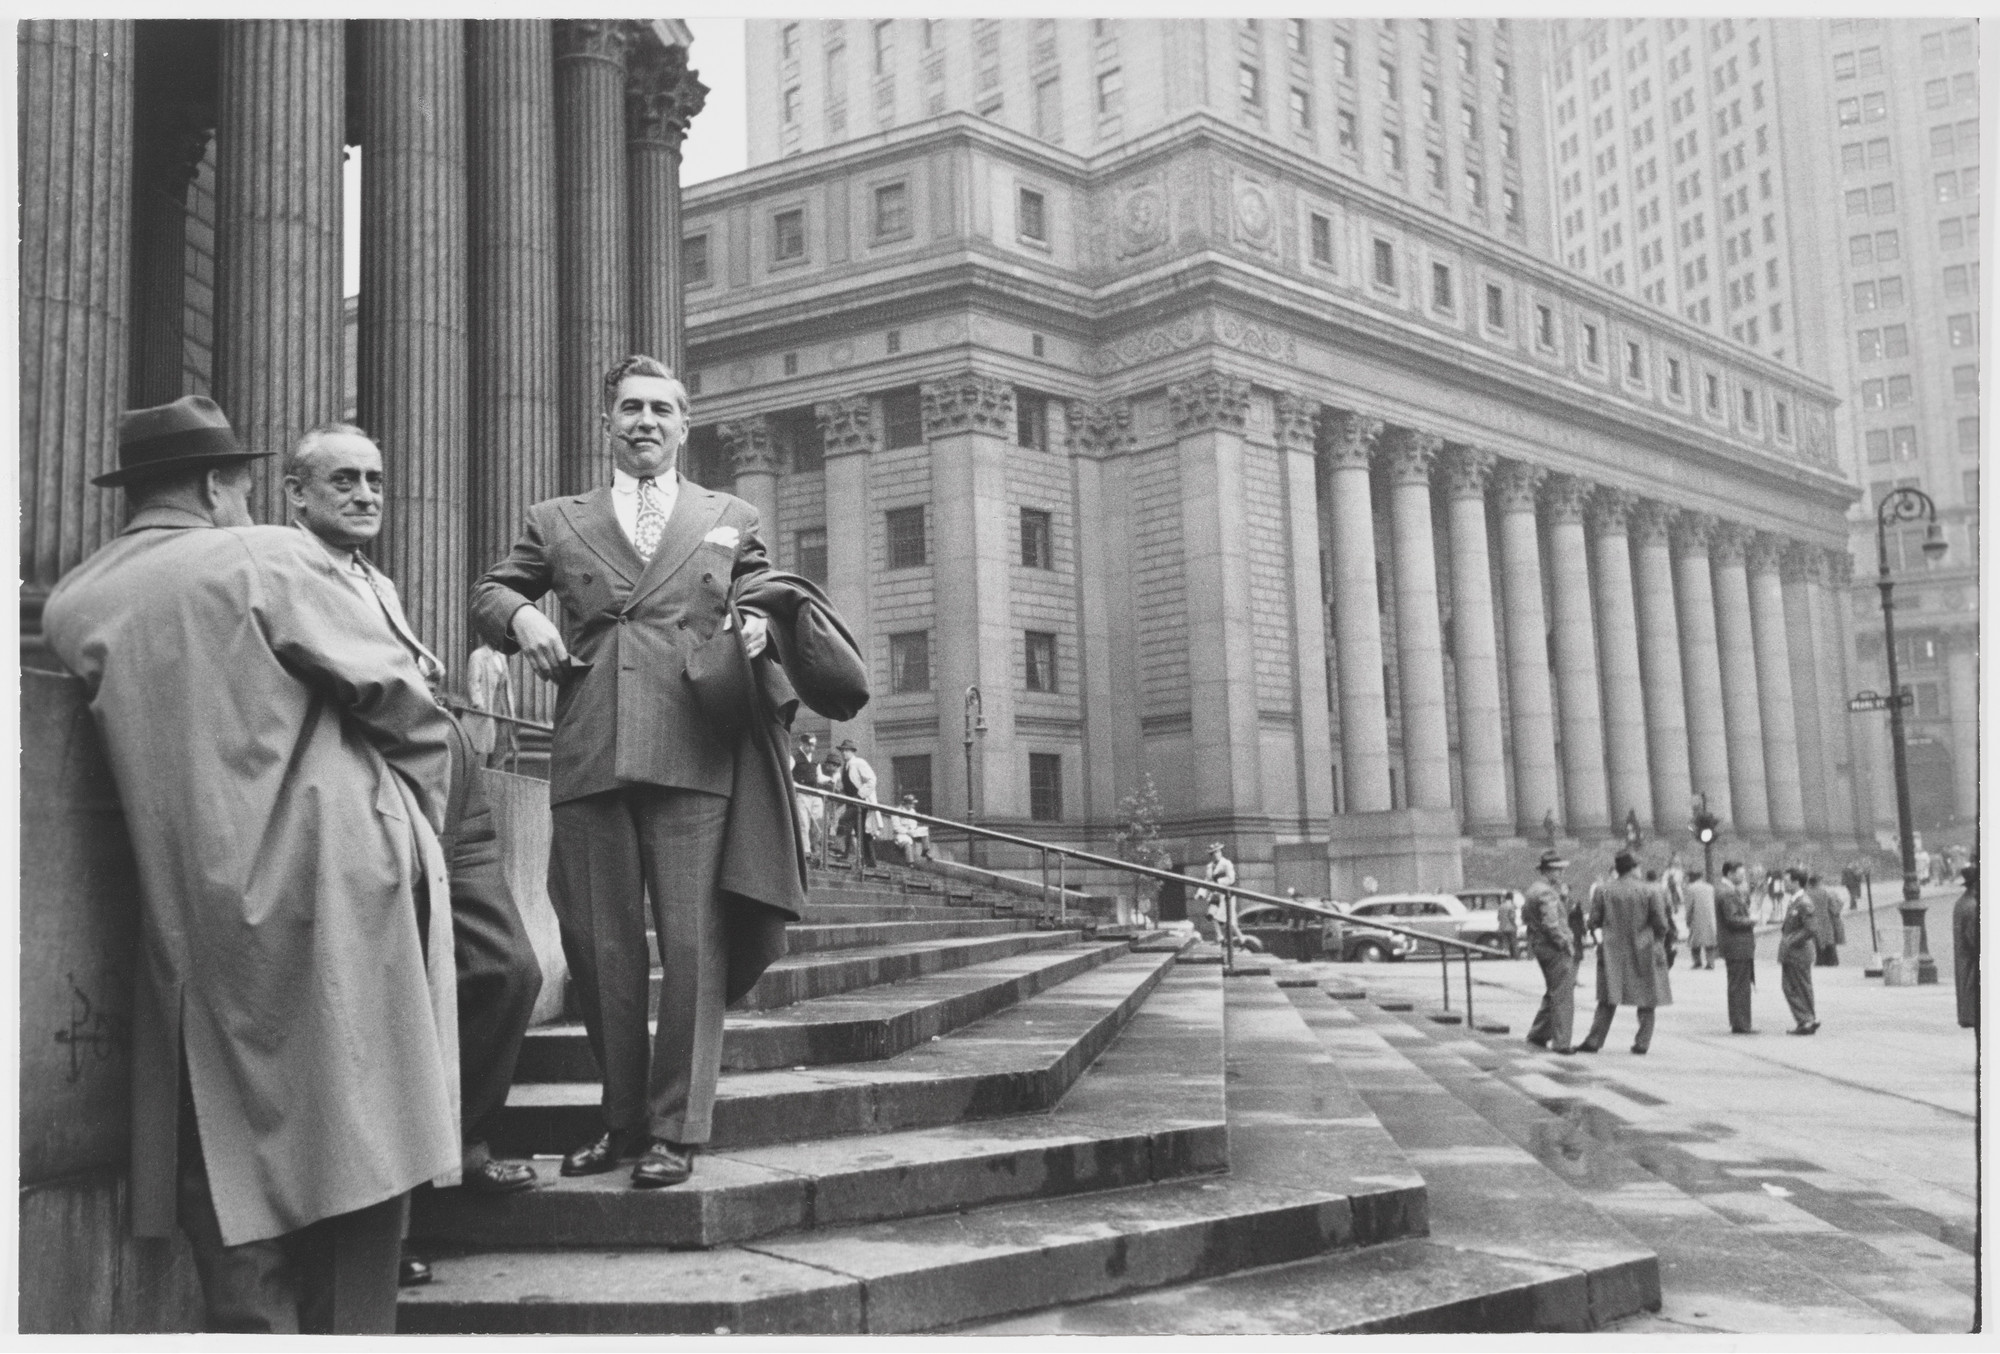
x: 1701, y: 664
x: 514, y: 427
x: 1475, y: 655
x: 592, y: 234
x: 1407, y: 456
x: 1530, y: 703
x: 1346, y: 444
x: 848, y: 434
x: 1742, y: 718
x: 1961, y: 667
x: 171, y: 136
x: 1297, y: 417
x: 1098, y: 435
x: 280, y: 124
x: 1578, y: 697
x: 1660, y: 664
x: 1800, y: 567
x: 754, y: 459
x: 75, y: 130
x: 662, y: 97
x: 1832, y: 604
x: 1628, y: 768
x: 1774, y: 689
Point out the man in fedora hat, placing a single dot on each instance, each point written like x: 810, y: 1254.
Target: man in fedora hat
x: 1630, y: 916
x: 282, y: 768
x: 1546, y: 917
x: 857, y: 778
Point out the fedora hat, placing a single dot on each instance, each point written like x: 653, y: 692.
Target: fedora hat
x: 1552, y: 860
x: 188, y: 433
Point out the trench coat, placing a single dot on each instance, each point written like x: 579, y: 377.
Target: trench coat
x: 283, y: 772
x: 1701, y: 914
x: 1828, y: 929
x: 1965, y: 956
x: 1630, y: 917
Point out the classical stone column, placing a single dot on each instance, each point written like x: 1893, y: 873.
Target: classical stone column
x: 1800, y: 567
x: 280, y: 124
x: 1578, y: 697
x: 413, y: 325
x: 1742, y: 719
x: 1297, y: 417
x: 1701, y: 664
x: 753, y: 455
x: 1660, y: 664
x: 513, y: 425
x: 969, y: 422
x: 1850, y: 786
x: 1774, y: 689
x: 1961, y: 659
x: 1531, y: 705
x: 1618, y: 660
x: 171, y: 136
x: 848, y: 433
x: 76, y: 185
x: 592, y: 233
x: 1346, y: 446
x: 1475, y: 654
x: 1098, y: 433
x: 1407, y: 456
x: 662, y: 97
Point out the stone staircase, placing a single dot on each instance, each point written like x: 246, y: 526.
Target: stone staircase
x: 937, y: 1113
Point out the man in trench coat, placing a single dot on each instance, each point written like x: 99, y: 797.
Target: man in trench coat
x: 282, y: 769
x: 1630, y: 917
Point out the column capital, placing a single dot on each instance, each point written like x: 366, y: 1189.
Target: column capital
x: 1466, y: 470
x: 970, y: 402
x: 1296, y: 417
x: 1566, y: 497
x: 1728, y: 541
x: 1516, y: 484
x: 1802, y: 563
x: 1692, y: 531
x: 598, y: 39
x: 1765, y: 552
x: 662, y: 95
x: 752, y: 450
x: 1840, y: 567
x: 846, y: 424
x: 1101, y: 427
x: 1214, y: 401
x: 1347, y: 439
x: 1610, y: 509
x: 1407, y: 454
x: 1652, y: 522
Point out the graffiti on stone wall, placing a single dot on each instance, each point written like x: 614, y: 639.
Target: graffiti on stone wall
x: 93, y: 1034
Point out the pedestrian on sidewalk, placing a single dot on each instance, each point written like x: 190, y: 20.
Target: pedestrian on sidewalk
x: 1850, y: 879
x: 1701, y: 921
x: 1965, y: 946
x: 1829, y: 934
x: 1736, y: 930
x: 1630, y: 917
x: 1796, y: 951
x: 857, y: 780
x: 1554, y: 947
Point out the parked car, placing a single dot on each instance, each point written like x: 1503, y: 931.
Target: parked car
x: 1349, y: 939
x: 1437, y: 914
x: 1287, y: 932
x: 1488, y: 901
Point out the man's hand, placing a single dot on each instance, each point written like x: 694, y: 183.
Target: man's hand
x: 756, y: 633
x: 541, y: 643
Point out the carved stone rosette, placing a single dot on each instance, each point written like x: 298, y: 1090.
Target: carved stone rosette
x: 846, y: 424
x: 1567, y: 497
x: 971, y: 402
x: 1517, y: 485
x: 1610, y: 509
x: 1347, y: 439
x: 1466, y: 470
x: 1407, y: 454
x: 1652, y: 522
x: 1727, y: 542
x: 1101, y: 428
x: 1296, y: 417
x: 1212, y: 402
x: 752, y: 450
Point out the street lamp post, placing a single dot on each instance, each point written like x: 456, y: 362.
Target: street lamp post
x: 1905, y: 504
x: 1705, y: 824
x: 975, y: 723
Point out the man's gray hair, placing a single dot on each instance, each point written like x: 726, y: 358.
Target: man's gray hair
x: 639, y: 364
x: 299, y: 463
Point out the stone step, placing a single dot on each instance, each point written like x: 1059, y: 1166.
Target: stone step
x: 825, y: 911
x: 1150, y: 1108
x: 1309, y: 1171
x: 1015, y: 1062
x: 806, y: 937
x: 1816, y: 1259
x: 863, y: 1026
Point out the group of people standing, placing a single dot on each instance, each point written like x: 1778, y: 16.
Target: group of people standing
x: 845, y: 771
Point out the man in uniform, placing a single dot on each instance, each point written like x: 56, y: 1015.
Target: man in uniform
x: 1549, y: 938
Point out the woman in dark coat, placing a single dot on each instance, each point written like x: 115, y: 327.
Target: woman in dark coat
x: 1965, y: 946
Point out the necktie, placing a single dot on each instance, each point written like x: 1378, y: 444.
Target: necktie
x: 651, y: 523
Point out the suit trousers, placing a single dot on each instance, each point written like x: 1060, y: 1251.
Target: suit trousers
x: 611, y: 852
x: 1742, y: 977
x: 334, y: 1277
x: 1555, y: 1019
x: 1796, y: 980
x: 499, y: 979
x: 1600, y: 1026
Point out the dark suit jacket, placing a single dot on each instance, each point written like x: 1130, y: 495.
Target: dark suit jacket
x: 630, y: 717
x: 1736, y: 933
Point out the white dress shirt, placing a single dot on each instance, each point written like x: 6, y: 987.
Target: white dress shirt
x: 625, y: 499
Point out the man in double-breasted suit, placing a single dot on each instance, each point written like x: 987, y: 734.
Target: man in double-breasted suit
x: 1737, y: 932
x: 640, y: 781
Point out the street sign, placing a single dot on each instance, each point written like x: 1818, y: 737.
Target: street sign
x: 1869, y: 700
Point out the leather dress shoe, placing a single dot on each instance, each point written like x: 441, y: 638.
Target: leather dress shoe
x: 665, y: 1163
x: 1568, y: 1052
x: 412, y: 1273
x: 603, y: 1155
x: 1638, y: 1050
x: 492, y: 1176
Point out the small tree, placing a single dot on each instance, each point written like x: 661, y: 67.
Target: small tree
x: 1138, y: 840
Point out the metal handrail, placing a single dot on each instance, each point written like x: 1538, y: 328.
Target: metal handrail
x: 465, y: 709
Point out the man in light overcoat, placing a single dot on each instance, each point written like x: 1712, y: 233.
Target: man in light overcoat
x: 1630, y: 917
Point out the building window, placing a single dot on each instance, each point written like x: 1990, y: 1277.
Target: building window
x: 1868, y: 345
x: 1964, y: 380
x: 1392, y: 152
x: 1301, y: 104
x: 1032, y: 220
x: 1871, y: 395
x: 893, y: 340
x: 1475, y: 188
x: 1385, y: 264
x: 1496, y: 307
x: 788, y: 235
x: 1031, y: 419
x: 1545, y: 327
x: 1343, y: 58
x: 1900, y: 390
x: 1674, y: 386
x: 1110, y: 91
x: 1036, y: 549
x: 910, y: 662
x: 1441, y: 291
x: 906, y: 538
x: 1712, y: 390
x: 694, y: 259
x: 1635, y: 362
x: 1322, y: 239
x: 1511, y: 202
x: 1590, y: 350
x: 791, y: 361
x: 1465, y: 56
x: 1041, y: 660
x: 1390, y: 85
x: 892, y: 211
x: 1344, y: 130
x: 1749, y: 408
x: 1782, y: 416
x: 1877, y: 442
x: 1048, y: 110
x: 1895, y: 340
x: 1903, y: 442
x: 912, y: 776
x: 809, y: 553
x: 1250, y: 87
x: 902, y: 419
x: 1468, y: 121
x: 1045, y: 787
x: 1429, y: 99
x: 1968, y: 435
x: 1037, y: 345
x: 788, y: 42
x: 1964, y: 333
x: 1295, y: 36
x: 885, y: 46
x: 1434, y: 167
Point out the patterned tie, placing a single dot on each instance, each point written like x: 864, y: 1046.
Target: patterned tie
x: 651, y: 523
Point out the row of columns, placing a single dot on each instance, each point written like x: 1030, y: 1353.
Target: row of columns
x: 1688, y: 654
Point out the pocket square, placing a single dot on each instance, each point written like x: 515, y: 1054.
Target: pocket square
x: 726, y: 537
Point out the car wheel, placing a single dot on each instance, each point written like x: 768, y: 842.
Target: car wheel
x: 1368, y: 952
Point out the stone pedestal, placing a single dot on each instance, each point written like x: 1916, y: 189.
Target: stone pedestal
x: 1402, y: 849
x: 1348, y: 523
x: 592, y: 236
x: 1531, y: 706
